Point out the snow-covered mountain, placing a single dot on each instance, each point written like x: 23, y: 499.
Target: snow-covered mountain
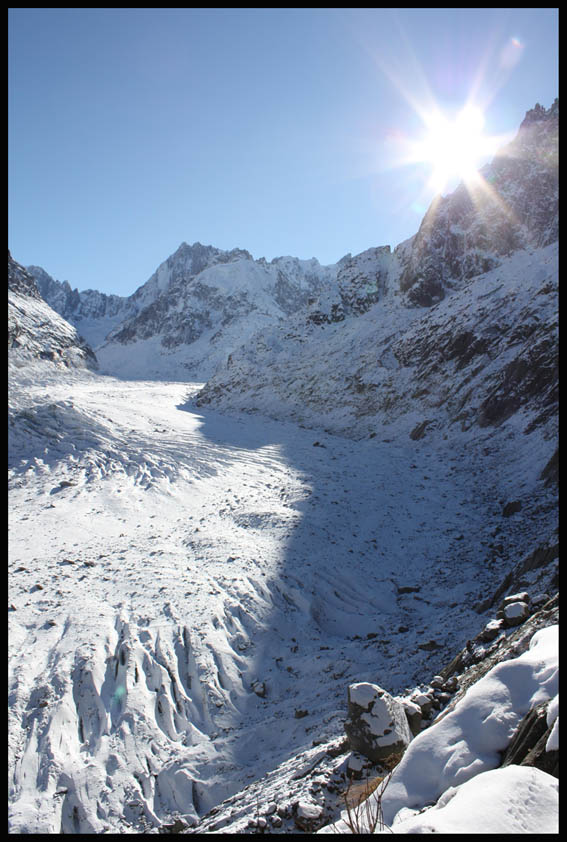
x: 93, y: 313
x: 486, y: 350
x: 364, y: 493
x: 35, y: 331
x: 511, y: 205
x: 197, y: 307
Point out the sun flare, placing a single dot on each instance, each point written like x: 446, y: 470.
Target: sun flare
x: 453, y: 148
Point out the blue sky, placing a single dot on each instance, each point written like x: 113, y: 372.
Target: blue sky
x: 274, y: 130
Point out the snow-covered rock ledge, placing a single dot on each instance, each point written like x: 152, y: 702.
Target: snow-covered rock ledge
x: 448, y: 780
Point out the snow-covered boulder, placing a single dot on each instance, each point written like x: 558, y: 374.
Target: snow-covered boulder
x: 308, y: 816
x: 377, y: 724
x: 516, y: 612
x: 469, y: 740
x: 491, y: 630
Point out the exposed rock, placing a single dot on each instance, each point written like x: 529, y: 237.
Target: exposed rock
x: 472, y: 665
x: 20, y: 280
x: 377, y: 724
x: 527, y: 747
x: 516, y: 597
x: 419, y: 430
x: 542, y: 556
x: 429, y: 645
x: 550, y: 474
x: 511, y: 508
x: 467, y: 233
x: 309, y: 816
x: 516, y: 612
x: 354, y: 767
x: 259, y: 687
x: 35, y: 331
x: 414, y: 715
x: 178, y: 826
x: 362, y: 280
x: 491, y: 631
x: 424, y: 701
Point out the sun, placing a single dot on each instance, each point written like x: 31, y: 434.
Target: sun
x: 453, y: 148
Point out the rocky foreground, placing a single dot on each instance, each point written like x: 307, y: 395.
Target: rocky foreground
x: 310, y: 792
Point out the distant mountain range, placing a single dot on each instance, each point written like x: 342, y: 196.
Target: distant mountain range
x: 251, y: 327
x: 197, y: 307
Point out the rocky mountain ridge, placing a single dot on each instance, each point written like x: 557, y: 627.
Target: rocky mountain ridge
x: 197, y: 307
x: 510, y: 205
x: 203, y: 303
x: 35, y: 331
x: 457, y: 326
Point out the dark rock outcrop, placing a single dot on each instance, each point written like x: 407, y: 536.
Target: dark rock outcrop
x: 528, y: 745
x: 377, y: 725
x: 511, y: 205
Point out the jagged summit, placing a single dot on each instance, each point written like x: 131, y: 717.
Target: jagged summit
x: 539, y: 113
x: 20, y: 280
x: 513, y: 205
x: 198, y: 306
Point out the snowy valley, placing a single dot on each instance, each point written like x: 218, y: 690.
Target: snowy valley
x: 251, y: 487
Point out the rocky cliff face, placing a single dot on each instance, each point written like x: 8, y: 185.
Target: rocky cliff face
x: 75, y: 305
x: 35, y: 331
x: 512, y: 204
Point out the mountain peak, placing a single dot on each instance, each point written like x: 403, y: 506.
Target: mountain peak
x: 539, y: 113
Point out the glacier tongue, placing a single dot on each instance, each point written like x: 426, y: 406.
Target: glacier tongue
x: 164, y: 561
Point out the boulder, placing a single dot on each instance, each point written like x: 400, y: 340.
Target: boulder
x: 413, y: 714
x: 309, y: 816
x: 377, y: 724
x: 354, y: 767
x: 259, y: 687
x: 516, y: 597
x: 491, y: 631
x: 429, y: 645
x: 516, y: 612
x: 424, y: 701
